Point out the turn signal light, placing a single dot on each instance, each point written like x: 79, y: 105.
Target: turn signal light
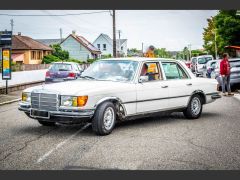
x: 82, y: 100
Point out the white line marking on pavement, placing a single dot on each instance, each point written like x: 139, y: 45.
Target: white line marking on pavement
x: 237, y: 96
x: 61, y: 144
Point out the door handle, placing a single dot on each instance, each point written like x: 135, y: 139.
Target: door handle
x: 164, y: 86
x: 189, y: 84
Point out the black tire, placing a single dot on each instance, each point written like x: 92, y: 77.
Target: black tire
x: 98, y: 125
x: 46, y: 123
x: 189, y: 112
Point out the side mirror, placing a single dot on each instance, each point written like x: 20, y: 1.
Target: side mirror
x: 143, y: 79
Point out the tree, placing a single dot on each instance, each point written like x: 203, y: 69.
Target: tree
x: 226, y: 25
x: 59, y: 53
x: 162, y: 53
x: 209, y: 36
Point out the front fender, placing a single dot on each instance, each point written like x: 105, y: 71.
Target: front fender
x: 112, y: 99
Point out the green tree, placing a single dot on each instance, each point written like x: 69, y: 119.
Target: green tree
x: 58, y: 52
x: 226, y: 25
x: 162, y: 53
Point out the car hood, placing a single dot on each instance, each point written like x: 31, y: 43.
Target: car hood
x: 77, y: 87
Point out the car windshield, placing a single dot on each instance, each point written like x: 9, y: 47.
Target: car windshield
x: 61, y: 67
x: 204, y: 60
x: 111, y: 70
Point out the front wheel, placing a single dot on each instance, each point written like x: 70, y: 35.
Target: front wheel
x: 194, y: 108
x: 104, y: 119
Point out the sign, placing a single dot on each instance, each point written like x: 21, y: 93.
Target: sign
x: 6, y: 63
x: 5, y: 38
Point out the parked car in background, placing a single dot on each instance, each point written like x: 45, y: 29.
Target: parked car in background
x: 188, y: 64
x: 209, y: 68
x: 199, y: 62
x: 62, y: 71
x: 193, y: 62
x: 235, y: 71
x: 120, y: 89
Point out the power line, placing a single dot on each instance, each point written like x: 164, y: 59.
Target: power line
x: 36, y: 15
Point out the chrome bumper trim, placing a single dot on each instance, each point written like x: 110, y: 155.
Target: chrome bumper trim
x: 79, y: 114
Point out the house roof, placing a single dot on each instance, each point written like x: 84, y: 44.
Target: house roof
x: 110, y: 41
x: 26, y: 43
x: 233, y: 47
x: 85, y: 43
x: 49, y: 42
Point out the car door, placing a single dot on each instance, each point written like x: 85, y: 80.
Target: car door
x: 179, y: 82
x: 152, y: 95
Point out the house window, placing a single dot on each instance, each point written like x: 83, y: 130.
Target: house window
x: 33, y: 54
x: 104, y: 47
x: 98, y: 45
x: 39, y: 55
x: 121, y: 48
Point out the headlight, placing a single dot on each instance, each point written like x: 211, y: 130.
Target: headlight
x: 74, y: 101
x: 26, y: 97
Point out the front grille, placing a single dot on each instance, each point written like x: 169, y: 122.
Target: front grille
x: 44, y: 101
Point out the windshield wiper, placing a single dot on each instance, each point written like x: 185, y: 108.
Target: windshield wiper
x: 87, y: 77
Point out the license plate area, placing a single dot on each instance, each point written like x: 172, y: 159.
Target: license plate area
x: 39, y: 114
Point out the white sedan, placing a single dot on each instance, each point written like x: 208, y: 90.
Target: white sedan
x: 119, y: 89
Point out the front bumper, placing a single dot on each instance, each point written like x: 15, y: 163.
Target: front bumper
x: 62, y: 115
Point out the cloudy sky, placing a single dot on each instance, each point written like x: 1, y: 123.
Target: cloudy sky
x: 162, y: 28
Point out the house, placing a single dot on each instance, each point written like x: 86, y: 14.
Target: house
x: 105, y: 44
x: 26, y: 50
x: 79, y: 48
x: 49, y: 42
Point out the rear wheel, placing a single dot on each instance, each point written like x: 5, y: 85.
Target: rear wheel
x: 104, y: 119
x: 46, y: 123
x: 194, y: 109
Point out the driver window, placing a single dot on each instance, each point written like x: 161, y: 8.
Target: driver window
x: 152, y: 71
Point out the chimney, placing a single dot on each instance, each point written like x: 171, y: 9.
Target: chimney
x: 74, y: 32
x: 19, y: 33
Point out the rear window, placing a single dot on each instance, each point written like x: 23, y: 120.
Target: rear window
x: 204, y: 60
x: 61, y: 67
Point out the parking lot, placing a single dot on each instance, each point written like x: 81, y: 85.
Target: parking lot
x: 164, y: 142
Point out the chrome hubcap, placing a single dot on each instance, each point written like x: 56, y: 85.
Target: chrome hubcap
x: 196, y: 106
x: 108, y: 118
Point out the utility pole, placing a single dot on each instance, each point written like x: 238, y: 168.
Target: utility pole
x: 119, y: 42
x: 142, y: 50
x: 11, y: 22
x: 215, y: 37
x: 190, y: 53
x: 61, y: 34
x: 114, y: 32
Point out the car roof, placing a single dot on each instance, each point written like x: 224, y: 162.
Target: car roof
x: 204, y: 56
x: 60, y: 62
x: 140, y: 59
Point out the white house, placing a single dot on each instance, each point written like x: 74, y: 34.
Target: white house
x: 105, y: 44
x: 79, y: 48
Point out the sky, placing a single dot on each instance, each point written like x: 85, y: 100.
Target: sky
x: 170, y: 29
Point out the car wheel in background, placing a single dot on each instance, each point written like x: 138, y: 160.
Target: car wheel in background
x: 194, y: 108
x: 104, y: 119
x: 46, y: 123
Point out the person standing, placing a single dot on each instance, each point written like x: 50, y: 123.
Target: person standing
x: 225, y: 74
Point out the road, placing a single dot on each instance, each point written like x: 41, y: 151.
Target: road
x: 164, y: 142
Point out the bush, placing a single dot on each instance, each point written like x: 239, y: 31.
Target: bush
x: 49, y: 59
x: 58, y: 52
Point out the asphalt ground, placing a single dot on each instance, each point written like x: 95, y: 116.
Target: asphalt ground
x: 165, y: 142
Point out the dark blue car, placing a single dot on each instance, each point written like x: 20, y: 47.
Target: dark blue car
x: 62, y: 71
